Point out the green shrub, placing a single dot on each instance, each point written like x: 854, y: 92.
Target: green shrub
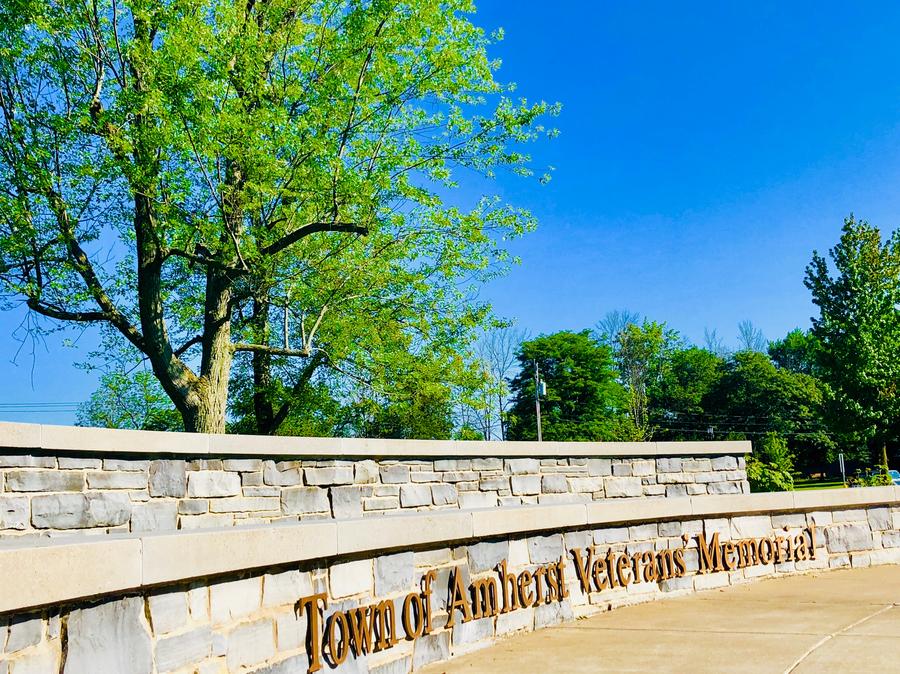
x: 771, y: 465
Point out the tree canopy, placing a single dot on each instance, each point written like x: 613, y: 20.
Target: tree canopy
x: 263, y: 181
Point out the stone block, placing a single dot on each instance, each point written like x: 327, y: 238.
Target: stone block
x: 182, y: 650
x: 708, y: 477
x: 607, y: 536
x: 545, y: 549
x: 724, y: 488
x: 329, y: 476
x: 168, y: 478
x: 586, y: 484
x: 487, y: 464
x: 213, y: 483
x: 857, y: 515
x: 195, y: 506
x: 250, y: 644
x: 553, y: 484
x: 248, y: 504
x: 724, y: 463
x: 485, y: 556
x: 290, y: 631
x: 272, y: 475
x: 366, y: 472
x: 515, y: 621
x: 381, y: 503
x: 754, y: 526
x: 475, y: 499
x: 346, y: 502
x: 109, y: 637
x: 243, y: 465
x: 80, y: 511
x: 668, y: 465
x: 522, y: 466
x: 641, y: 467
x: 879, y: 519
x: 13, y: 512
x: 621, y: 487
x: 395, y: 474
x: 791, y: 521
x: 126, y: 464
x: 76, y: 463
x: 24, y: 631
x: 44, y: 480
x: 168, y: 611
x: 234, y: 599
x: 599, y: 467
x: 494, y: 483
x: 118, y: 480
x: 428, y: 476
x: 444, y: 494
x: 472, y: 631
x: 154, y: 516
x: 676, y: 490
x: 552, y: 614
x: 442, y: 465
x: 526, y: 484
x: 622, y: 469
x: 394, y: 573
x: 696, y: 465
x: 415, y: 495
x: 286, y: 587
x: 300, y: 500
x: 847, y: 538
x: 430, y: 648
x: 350, y: 578
x: 643, y: 532
x: 41, y: 660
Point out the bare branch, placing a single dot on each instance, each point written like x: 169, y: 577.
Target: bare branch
x: 312, y: 228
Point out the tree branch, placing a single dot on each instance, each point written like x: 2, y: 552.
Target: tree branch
x: 273, y: 350
x: 312, y: 228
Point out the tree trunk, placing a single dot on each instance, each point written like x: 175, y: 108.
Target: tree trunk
x: 263, y: 408
x: 884, y: 455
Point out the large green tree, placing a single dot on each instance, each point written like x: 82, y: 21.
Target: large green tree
x: 583, y: 401
x: 858, y: 328
x: 262, y: 180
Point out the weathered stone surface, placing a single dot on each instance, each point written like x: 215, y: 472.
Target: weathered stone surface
x: 299, y: 500
x: 622, y: 469
x: 110, y: 637
x: 415, y: 495
x: 554, y: 484
x: 272, y: 475
x: 526, y: 484
x: 521, y: 620
x: 79, y: 511
x: 346, y: 502
x: 27, y: 461
x: 349, y: 578
x: 486, y: 555
x: 168, y: 611
x: 617, y: 487
x: 41, y: 660
x: 643, y: 532
x: 599, y: 467
x: 234, y: 599
x: 696, y: 465
x: 243, y: 465
x: 394, y: 573
x: 329, y: 476
x: 382, y: 503
x: 24, y: 631
x: 552, y: 614
x: 725, y: 463
x: 879, y: 519
x: 475, y: 499
x: 452, y: 464
x: 213, y: 483
x: 116, y: 480
x: 126, y: 464
x: 724, y: 488
x: 168, y: 478
x: 431, y: 648
x: 250, y: 644
x: 473, y: 631
x: 184, y: 649
x: 757, y: 526
x: 399, y: 666
x: 77, y: 463
x: 246, y: 504
x: 444, y: 494
x: 641, y: 467
x: 44, y: 480
x: 366, y: 472
x: 522, y: 466
x: 847, y: 538
x: 286, y: 587
x: 396, y: 474
x: 487, y: 464
x: 13, y: 512
x: 668, y: 465
x: 154, y: 516
x: 545, y: 549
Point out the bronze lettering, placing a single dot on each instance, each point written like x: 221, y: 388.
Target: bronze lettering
x: 311, y: 604
x: 648, y: 561
x: 561, y: 577
x: 747, y: 555
x: 337, y: 648
x: 361, y: 626
x: 610, y: 571
x: 525, y: 597
x: 458, y: 601
x: 582, y: 568
x: 599, y: 573
x: 413, y: 618
x: 811, y: 530
x: 622, y: 564
x: 427, y: 580
x: 538, y: 593
x: 710, y: 557
x: 680, y: 565
x: 510, y: 594
x: 765, y: 551
x: 385, y: 620
x: 484, y: 598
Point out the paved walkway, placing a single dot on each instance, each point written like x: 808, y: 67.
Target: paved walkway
x: 834, y: 621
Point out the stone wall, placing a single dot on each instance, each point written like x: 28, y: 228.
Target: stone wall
x: 250, y: 623
x: 43, y: 494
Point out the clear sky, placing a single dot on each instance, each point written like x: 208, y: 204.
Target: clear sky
x: 705, y: 151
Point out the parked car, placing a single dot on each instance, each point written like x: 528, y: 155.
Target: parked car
x: 895, y: 476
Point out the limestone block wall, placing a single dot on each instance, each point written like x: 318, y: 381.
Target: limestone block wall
x: 249, y: 622
x: 57, y: 480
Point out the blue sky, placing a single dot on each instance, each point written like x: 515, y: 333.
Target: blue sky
x: 705, y: 151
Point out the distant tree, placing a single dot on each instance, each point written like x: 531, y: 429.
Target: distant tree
x: 496, y: 352
x: 677, y: 405
x: 770, y: 467
x: 796, y: 352
x: 858, y: 327
x: 583, y: 402
x: 642, y: 354
x: 714, y: 343
x: 613, y: 322
x: 751, y: 338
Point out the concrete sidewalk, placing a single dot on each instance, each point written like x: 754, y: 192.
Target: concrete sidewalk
x: 834, y: 621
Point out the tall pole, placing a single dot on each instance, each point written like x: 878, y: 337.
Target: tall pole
x: 537, y: 399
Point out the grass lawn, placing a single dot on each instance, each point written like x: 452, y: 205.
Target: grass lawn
x: 805, y: 483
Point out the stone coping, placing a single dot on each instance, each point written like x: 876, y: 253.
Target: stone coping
x: 78, y: 439
x: 65, y: 569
